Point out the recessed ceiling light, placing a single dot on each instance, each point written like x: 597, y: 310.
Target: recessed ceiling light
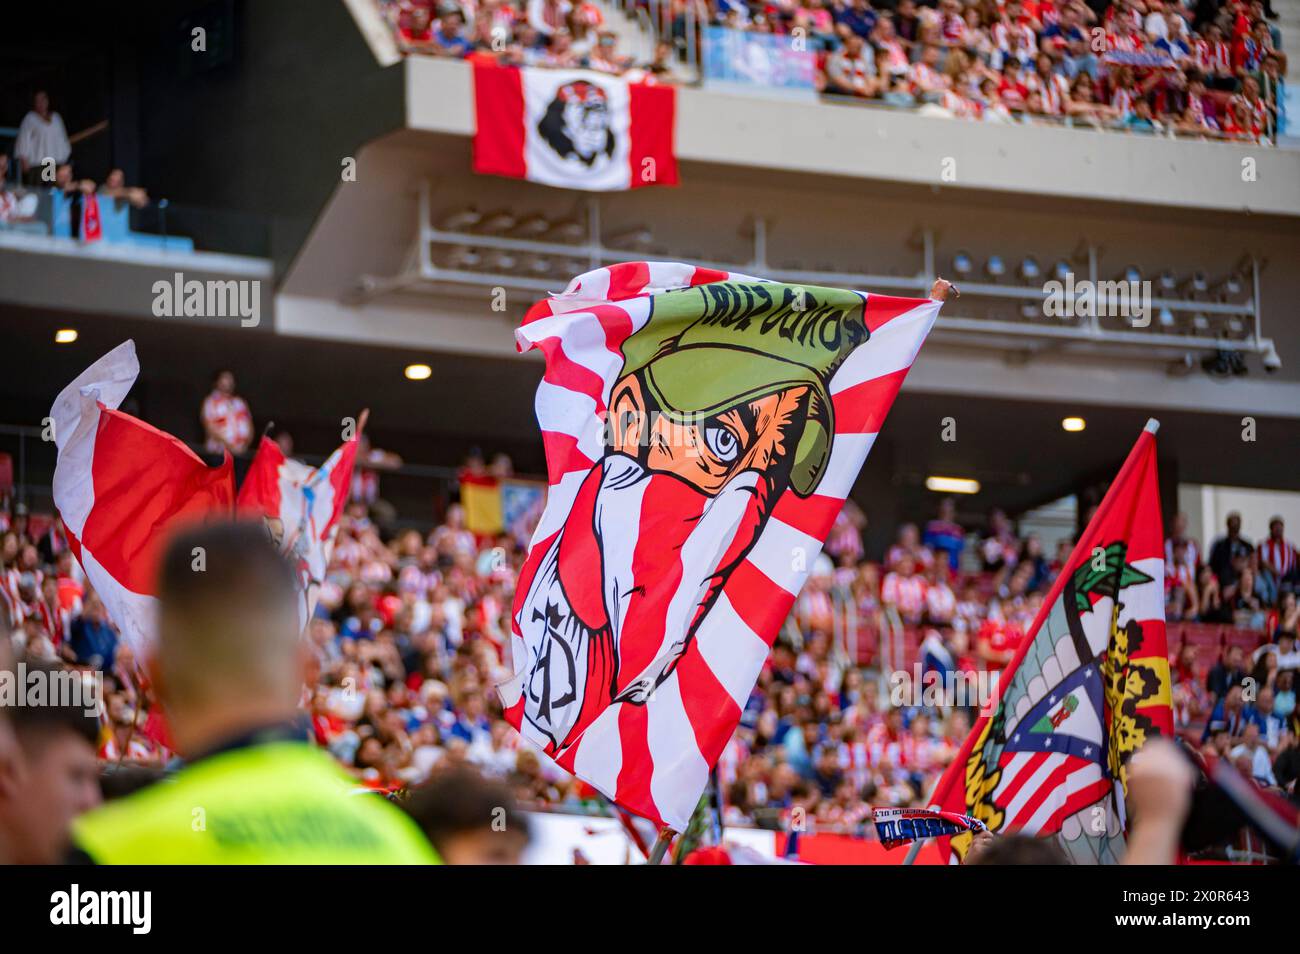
x: 1073, y: 424
x: 65, y: 336
x: 418, y: 372
x: 952, y: 485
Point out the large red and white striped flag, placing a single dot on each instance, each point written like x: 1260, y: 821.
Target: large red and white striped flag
x: 1088, y: 686
x: 301, y: 505
x: 120, y: 485
x: 574, y: 129
x: 702, y: 430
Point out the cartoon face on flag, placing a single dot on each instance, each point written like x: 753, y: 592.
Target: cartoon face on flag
x: 579, y: 129
x: 1090, y: 685
x: 576, y: 123
x: 573, y: 129
x: 702, y: 431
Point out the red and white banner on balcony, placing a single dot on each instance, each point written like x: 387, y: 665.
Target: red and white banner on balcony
x: 574, y: 129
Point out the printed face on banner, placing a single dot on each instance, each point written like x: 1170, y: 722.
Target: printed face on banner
x: 579, y: 128
x: 720, y: 408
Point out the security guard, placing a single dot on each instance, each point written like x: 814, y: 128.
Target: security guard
x: 229, y: 671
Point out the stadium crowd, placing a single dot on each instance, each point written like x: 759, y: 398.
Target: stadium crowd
x: 1211, y: 68
x: 411, y: 635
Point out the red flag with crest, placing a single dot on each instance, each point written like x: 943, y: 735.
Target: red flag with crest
x: 1088, y: 686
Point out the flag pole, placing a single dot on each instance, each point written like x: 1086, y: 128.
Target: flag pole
x: 629, y: 827
x: 660, y: 846
x: 913, y: 851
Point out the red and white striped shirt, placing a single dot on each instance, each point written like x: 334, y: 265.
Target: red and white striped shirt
x: 1279, y: 555
x: 1055, y: 91
x: 1131, y: 43
x: 55, y: 621
x: 883, y: 746
x: 907, y: 593
x: 1213, y: 57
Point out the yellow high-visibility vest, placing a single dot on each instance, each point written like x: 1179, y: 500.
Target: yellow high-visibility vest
x: 284, y: 803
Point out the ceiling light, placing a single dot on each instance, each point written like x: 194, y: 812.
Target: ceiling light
x: 961, y: 263
x: 65, y: 336
x: 1073, y: 424
x: 995, y: 267
x: 418, y: 372
x: 952, y: 485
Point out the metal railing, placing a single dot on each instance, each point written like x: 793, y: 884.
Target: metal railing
x: 1006, y: 312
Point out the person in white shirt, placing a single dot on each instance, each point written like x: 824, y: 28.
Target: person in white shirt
x: 1156, y: 25
x: 1251, y: 757
x: 41, y: 136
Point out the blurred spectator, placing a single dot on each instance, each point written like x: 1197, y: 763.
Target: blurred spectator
x: 943, y: 534
x: 92, y: 640
x: 1159, y: 799
x: 227, y: 421
x: 16, y: 204
x: 42, y: 140
x: 229, y: 665
x: 851, y: 70
x: 1278, y: 553
x: 115, y: 187
x: 1227, y: 549
x: 48, y: 773
x: 1227, y: 672
x: 449, y: 39
x: 470, y: 820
